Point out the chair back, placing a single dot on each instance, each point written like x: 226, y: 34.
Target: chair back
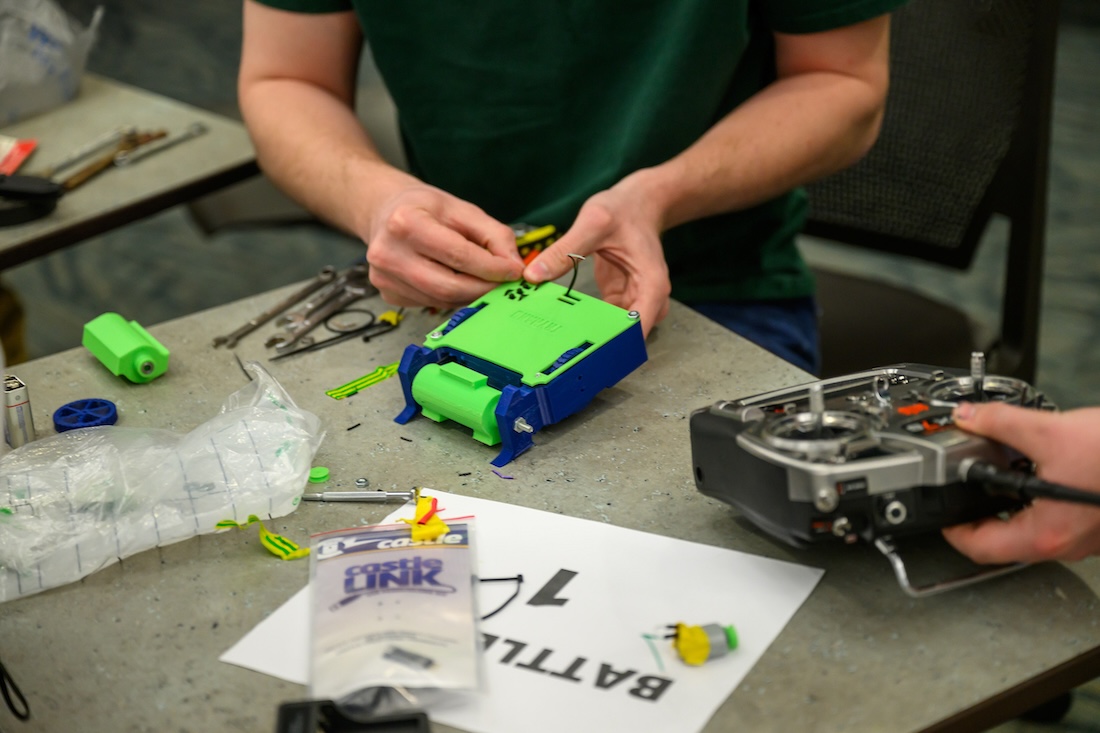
x: 966, y: 134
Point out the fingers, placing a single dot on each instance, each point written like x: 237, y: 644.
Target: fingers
x: 554, y: 261
x: 433, y: 249
x: 993, y: 541
x: 588, y: 233
x: 1046, y: 530
x: 497, y: 239
x: 649, y: 304
x: 629, y: 261
x: 459, y: 243
x: 1026, y: 430
x: 445, y: 289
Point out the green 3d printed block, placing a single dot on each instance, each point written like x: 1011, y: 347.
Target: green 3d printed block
x: 125, y: 348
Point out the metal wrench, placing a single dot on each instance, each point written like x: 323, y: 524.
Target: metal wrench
x: 355, y: 273
x: 326, y: 275
x: 354, y: 290
x: 109, y: 138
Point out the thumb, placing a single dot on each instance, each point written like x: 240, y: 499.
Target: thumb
x: 555, y: 260
x: 552, y: 263
x: 1017, y: 427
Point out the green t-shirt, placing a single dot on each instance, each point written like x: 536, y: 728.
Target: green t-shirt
x: 528, y: 108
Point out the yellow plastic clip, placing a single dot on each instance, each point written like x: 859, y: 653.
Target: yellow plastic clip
x: 426, y: 524
x: 378, y: 375
x: 392, y: 317
x: 276, y: 544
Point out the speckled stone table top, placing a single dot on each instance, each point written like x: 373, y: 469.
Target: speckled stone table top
x: 135, y: 647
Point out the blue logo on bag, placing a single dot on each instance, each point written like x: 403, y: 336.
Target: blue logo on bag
x: 416, y: 574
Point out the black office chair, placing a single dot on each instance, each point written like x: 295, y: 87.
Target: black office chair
x: 966, y: 136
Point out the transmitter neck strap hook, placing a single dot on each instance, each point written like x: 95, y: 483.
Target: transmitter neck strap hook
x: 886, y: 546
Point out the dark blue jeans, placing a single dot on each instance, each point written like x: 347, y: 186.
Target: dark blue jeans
x: 787, y: 327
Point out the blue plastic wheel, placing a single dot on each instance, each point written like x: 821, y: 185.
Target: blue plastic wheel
x: 87, y: 413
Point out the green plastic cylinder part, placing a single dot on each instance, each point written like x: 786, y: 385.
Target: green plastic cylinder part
x: 452, y: 391
x: 125, y: 348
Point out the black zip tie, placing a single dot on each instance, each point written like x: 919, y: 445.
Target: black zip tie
x: 519, y: 584
x: 241, y: 365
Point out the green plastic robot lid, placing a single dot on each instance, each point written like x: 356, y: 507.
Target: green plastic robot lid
x: 528, y: 328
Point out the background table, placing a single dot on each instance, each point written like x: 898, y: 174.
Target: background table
x: 134, y: 647
x: 222, y: 156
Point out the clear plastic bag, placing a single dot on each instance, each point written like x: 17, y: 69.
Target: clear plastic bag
x: 75, y: 502
x: 42, y: 56
x: 416, y: 630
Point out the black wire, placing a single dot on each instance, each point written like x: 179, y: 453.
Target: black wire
x: 343, y: 336
x: 334, y: 316
x: 519, y: 584
x: 1025, y: 486
x: 576, y: 269
x: 382, y: 328
x: 9, y: 688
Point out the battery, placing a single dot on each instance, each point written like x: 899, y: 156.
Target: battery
x: 18, y: 421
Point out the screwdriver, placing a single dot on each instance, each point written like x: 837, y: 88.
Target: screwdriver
x: 129, y: 142
x: 361, y: 496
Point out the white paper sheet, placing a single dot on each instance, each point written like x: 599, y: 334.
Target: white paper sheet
x: 575, y: 657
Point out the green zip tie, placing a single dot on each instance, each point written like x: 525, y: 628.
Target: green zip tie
x: 276, y: 544
x: 380, y: 374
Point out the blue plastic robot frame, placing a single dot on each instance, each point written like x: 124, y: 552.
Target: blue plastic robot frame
x: 521, y: 358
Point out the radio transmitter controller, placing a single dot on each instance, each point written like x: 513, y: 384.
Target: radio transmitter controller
x: 873, y: 455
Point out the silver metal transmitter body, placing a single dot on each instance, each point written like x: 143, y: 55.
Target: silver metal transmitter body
x: 865, y: 456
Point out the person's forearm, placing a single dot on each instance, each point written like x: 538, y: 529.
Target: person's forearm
x: 314, y: 148
x: 795, y: 131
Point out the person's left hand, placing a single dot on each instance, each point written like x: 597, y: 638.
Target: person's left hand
x: 623, y: 235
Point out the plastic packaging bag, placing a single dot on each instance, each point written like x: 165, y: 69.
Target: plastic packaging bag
x: 75, y: 502
x: 390, y: 611
x: 42, y: 56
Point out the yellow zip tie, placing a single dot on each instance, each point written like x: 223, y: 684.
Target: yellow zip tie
x: 276, y: 544
x: 380, y: 374
x: 426, y: 525
x: 392, y: 317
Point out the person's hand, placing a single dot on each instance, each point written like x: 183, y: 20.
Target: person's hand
x: 427, y: 247
x: 621, y: 233
x: 1065, y: 448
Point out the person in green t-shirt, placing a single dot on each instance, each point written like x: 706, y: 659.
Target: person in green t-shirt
x: 666, y: 138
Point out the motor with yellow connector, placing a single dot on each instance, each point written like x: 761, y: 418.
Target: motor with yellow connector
x: 699, y: 644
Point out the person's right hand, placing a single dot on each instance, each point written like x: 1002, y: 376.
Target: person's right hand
x: 426, y: 247
x: 1065, y: 448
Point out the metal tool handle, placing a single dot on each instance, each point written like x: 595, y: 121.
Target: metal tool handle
x: 112, y: 137
x: 326, y: 275
x: 97, y: 166
x: 129, y: 157
x: 289, y: 320
x: 351, y: 293
x: 886, y: 546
